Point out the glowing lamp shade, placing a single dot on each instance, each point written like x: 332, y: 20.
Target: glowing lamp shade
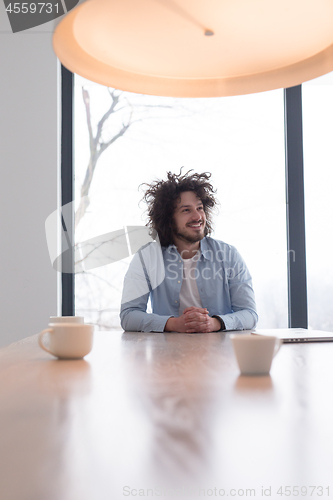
x: 197, y: 48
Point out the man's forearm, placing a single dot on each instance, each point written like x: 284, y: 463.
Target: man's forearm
x: 240, y: 320
x: 171, y: 325
x: 134, y: 320
x: 221, y: 323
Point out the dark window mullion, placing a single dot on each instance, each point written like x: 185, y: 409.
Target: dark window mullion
x: 297, y: 290
x: 67, y: 191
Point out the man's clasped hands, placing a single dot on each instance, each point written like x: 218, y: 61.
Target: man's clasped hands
x: 193, y: 320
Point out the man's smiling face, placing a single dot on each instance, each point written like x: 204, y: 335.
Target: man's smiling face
x: 189, y: 218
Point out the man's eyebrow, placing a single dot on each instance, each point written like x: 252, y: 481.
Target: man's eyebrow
x: 200, y: 204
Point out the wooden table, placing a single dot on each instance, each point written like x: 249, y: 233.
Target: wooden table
x: 149, y: 413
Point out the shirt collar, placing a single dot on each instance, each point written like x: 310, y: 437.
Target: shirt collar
x: 205, y: 252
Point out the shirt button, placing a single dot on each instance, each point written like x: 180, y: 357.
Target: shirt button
x: 178, y: 281
x: 180, y: 261
x: 176, y: 301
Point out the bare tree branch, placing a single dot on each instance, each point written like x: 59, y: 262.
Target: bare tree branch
x: 86, y: 100
x: 115, y: 100
x: 97, y: 146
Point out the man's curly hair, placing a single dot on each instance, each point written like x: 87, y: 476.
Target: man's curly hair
x: 162, y: 196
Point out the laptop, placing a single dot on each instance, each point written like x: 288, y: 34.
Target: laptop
x: 297, y: 335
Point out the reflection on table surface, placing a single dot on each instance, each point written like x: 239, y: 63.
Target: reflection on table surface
x: 160, y: 411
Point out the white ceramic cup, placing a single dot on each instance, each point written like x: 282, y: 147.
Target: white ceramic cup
x: 254, y: 353
x: 68, y: 340
x: 66, y: 319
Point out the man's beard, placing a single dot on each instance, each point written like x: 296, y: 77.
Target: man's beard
x: 185, y: 236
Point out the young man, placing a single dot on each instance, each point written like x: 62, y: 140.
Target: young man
x: 195, y: 283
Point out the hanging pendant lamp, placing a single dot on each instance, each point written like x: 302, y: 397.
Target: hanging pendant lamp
x: 197, y: 48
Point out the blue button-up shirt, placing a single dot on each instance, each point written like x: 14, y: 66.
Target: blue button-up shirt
x: 223, y: 280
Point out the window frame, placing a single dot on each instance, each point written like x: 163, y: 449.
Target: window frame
x: 295, y: 213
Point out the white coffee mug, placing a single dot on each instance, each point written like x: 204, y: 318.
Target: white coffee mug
x: 68, y: 340
x: 254, y: 353
x: 66, y: 319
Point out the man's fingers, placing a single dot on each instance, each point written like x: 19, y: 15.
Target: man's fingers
x: 198, y: 326
x: 196, y: 309
x: 197, y: 319
x: 195, y: 314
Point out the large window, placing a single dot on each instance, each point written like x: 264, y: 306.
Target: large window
x: 318, y: 180
x: 240, y: 140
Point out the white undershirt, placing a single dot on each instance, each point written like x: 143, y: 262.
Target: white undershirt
x: 189, y: 294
